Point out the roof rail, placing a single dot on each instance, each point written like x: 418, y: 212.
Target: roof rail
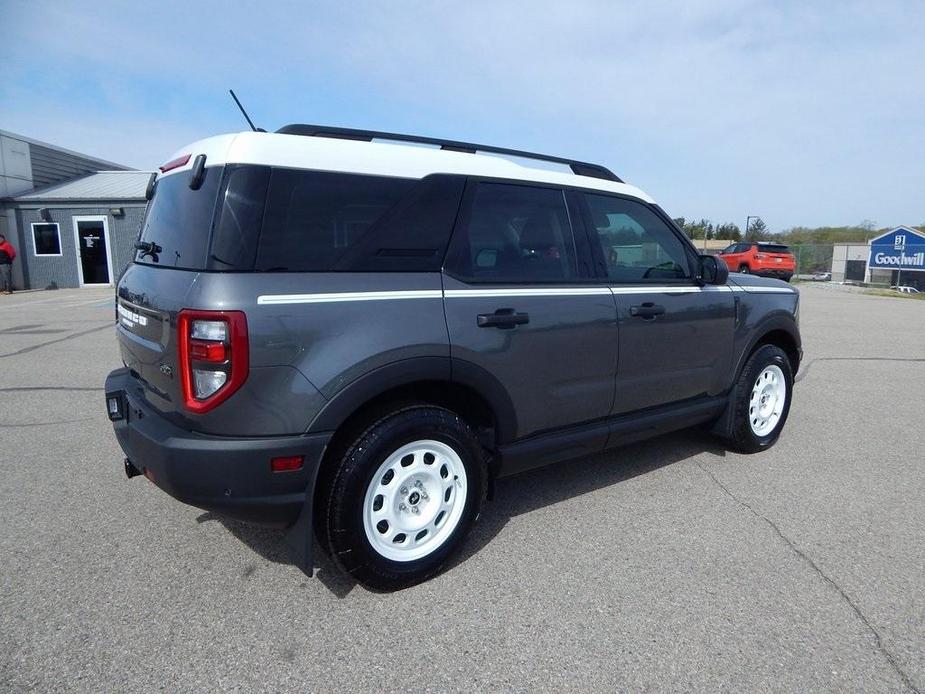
x: 579, y: 168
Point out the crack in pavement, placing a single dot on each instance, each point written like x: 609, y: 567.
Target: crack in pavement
x: 20, y: 389
x: 45, y: 424
x: 32, y: 348
x: 805, y: 370
x: 878, y: 640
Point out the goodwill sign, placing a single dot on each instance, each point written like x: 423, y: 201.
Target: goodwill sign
x: 900, y: 249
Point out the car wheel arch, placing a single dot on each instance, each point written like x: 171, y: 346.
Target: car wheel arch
x: 367, y: 400
x: 779, y: 330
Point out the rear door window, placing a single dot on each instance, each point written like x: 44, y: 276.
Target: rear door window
x: 514, y: 233
x: 178, y: 221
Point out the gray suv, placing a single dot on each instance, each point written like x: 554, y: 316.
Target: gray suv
x: 353, y: 334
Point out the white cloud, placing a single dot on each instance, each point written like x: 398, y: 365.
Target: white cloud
x: 806, y: 113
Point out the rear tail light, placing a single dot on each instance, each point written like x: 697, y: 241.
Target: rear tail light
x: 213, y: 356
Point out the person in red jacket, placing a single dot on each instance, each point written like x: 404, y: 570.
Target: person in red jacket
x: 7, y: 254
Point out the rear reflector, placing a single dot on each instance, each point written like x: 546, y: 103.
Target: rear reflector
x: 175, y: 163
x: 287, y: 464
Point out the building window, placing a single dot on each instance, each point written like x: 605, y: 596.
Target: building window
x: 46, y: 239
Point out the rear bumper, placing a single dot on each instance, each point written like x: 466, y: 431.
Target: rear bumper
x: 775, y: 272
x: 230, y: 476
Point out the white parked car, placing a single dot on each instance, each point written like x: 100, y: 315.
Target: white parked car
x: 905, y: 289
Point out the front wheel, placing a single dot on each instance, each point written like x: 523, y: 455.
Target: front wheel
x: 403, y: 497
x: 762, y: 400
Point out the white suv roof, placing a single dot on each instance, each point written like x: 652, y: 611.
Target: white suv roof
x: 388, y: 158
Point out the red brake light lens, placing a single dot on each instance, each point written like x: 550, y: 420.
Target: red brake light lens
x: 213, y: 356
x: 175, y: 163
x: 200, y: 350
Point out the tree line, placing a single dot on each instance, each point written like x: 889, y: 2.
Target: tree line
x: 759, y: 231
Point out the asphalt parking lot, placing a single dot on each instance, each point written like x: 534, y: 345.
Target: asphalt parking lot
x: 667, y: 565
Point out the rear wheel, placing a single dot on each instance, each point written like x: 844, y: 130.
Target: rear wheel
x: 744, y: 269
x: 762, y: 400
x: 403, y: 497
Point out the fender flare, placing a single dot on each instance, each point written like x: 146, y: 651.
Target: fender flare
x: 406, y: 372
x: 779, y: 320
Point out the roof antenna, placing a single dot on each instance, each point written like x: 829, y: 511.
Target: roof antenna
x: 246, y: 117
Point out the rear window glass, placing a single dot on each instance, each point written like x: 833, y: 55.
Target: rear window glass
x: 773, y: 248
x: 312, y: 219
x: 178, y: 221
x: 288, y: 220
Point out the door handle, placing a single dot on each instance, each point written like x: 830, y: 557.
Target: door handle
x: 504, y: 318
x: 647, y: 311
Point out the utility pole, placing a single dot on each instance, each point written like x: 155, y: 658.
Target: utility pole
x: 899, y: 270
x: 748, y: 220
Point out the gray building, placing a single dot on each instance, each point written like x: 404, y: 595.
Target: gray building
x: 72, y: 218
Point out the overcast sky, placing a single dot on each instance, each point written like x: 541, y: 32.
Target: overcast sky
x: 806, y: 113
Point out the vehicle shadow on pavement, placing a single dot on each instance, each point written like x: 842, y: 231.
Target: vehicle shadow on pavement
x: 549, y: 485
x: 513, y: 496
x: 269, y: 543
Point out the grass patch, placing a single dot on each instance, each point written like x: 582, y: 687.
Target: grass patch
x: 894, y: 295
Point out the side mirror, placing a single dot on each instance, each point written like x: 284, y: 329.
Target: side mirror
x: 713, y: 270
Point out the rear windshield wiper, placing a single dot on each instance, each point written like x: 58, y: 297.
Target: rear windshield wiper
x: 148, y: 248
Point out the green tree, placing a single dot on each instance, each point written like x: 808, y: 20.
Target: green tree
x: 729, y: 230
x: 757, y: 231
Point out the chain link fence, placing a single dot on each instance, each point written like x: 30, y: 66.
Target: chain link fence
x: 848, y: 262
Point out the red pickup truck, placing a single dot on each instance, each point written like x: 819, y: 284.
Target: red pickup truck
x: 760, y: 258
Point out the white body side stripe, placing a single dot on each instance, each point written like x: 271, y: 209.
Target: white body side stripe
x: 348, y: 296
x: 762, y: 290
x: 526, y: 291
x: 335, y: 297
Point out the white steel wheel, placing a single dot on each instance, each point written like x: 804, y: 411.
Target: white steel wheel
x: 415, y: 500
x: 767, y: 401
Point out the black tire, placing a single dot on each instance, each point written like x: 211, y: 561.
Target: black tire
x: 743, y: 438
x: 744, y: 269
x: 787, y: 278
x: 341, y: 506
